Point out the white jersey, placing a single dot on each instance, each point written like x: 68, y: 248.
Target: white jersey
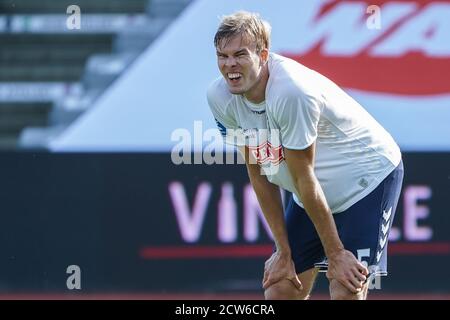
x: 353, y: 152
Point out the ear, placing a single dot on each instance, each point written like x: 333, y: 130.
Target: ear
x: 264, y: 56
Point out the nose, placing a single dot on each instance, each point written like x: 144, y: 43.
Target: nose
x: 230, y: 62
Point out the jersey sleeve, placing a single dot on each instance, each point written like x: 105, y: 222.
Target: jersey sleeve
x: 225, y: 122
x: 297, y: 118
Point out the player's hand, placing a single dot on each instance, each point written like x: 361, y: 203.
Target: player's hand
x: 345, y: 268
x: 278, y: 267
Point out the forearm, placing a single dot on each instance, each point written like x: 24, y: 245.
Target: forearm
x: 269, y: 199
x: 319, y: 212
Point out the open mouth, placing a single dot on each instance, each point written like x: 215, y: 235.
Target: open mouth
x: 234, y: 77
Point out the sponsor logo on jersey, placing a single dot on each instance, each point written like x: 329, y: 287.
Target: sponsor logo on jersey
x: 266, y: 153
x: 221, y: 127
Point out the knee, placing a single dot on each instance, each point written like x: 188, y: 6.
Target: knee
x: 285, y: 290
x: 340, y: 292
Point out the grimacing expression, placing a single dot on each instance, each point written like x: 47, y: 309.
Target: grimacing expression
x: 239, y: 63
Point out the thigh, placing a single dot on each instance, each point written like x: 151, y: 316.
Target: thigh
x: 304, y: 241
x: 286, y: 290
x: 308, y: 278
x: 364, y: 227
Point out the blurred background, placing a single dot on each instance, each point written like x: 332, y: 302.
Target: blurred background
x: 96, y: 94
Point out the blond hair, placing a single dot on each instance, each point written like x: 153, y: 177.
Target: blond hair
x: 249, y: 25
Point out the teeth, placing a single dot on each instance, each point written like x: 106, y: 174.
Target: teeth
x: 234, y: 75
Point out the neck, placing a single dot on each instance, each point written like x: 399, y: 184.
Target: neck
x: 258, y: 93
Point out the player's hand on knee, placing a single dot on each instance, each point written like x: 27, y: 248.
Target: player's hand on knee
x: 280, y: 266
x: 344, y: 267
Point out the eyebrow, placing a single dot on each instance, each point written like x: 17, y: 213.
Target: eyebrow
x: 241, y: 51
x: 237, y: 52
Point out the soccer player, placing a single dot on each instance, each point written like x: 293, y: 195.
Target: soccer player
x: 299, y: 131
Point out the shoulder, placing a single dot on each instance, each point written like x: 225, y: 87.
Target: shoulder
x: 218, y: 94
x: 286, y: 80
x: 290, y: 83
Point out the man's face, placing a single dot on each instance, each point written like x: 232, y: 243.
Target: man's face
x: 239, y: 63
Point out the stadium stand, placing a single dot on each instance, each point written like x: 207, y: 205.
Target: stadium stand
x: 50, y: 74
